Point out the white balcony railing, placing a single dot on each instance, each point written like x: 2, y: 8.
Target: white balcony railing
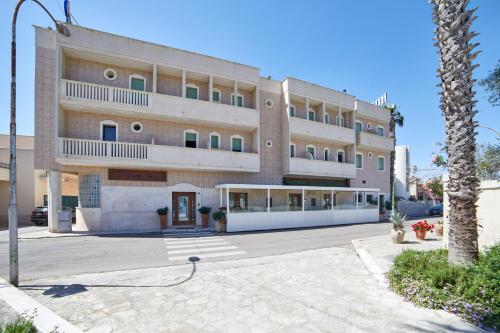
x: 321, y: 132
x: 374, y: 141
x: 123, y: 154
x: 371, y: 111
x: 91, y: 91
x: 306, y: 167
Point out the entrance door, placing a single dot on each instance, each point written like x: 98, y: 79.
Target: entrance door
x: 183, y: 204
x: 295, y: 201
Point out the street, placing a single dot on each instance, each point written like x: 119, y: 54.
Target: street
x: 54, y: 257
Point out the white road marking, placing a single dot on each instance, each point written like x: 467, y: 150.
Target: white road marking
x: 208, y: 255
x: 209, y: 249
x: 184, y: 246
x: 203, y: 240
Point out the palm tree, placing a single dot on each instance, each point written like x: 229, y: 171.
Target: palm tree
x: 453, y: 39
x: 396, y: 119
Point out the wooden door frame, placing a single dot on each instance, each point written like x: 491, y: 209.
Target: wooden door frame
x: 192, y: 212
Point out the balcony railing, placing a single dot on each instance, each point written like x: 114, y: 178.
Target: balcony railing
x: 320, y: 131
x: 123, y: 154
x: 307, y: 167
x: 371, y: 111
x: 374, y: 141
x: 91, y: 91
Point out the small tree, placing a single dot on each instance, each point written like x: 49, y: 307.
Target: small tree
x: 492, y: 85
x: 488, y: 161
x: 434, y: 188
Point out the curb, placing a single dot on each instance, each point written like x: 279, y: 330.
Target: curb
x: 46, y: 321
x: 370, y: 263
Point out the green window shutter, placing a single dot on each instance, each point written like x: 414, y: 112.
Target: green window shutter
x: 237, y: 144
x: 216, y: 96
x: 359, y: 161
x: 191, y: 137
x: 240, y: 101
x: 214, y: 142
x: 191, y: 92
x: 380, y: 131
x: 359, y: 127
x: 312, y: 115
x: 380, y: 163
x: 137, y: 84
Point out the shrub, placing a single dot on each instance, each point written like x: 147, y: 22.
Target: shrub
x: 219, y: 216
x: 162, y: 211
x: 20, y: 325
x: 204, y: 210
x: 397, y: 219
x: 473, y: 293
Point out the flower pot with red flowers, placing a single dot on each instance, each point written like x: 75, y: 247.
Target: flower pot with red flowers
x: 204, y: 211
x: 421, y: 228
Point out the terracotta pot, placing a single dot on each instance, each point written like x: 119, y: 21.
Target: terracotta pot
x: 439, y: 229
x: 220, y: 226
x: 163, y: 221
x: 204, y: 220
x: 397, y: 236
x: 420, y: 234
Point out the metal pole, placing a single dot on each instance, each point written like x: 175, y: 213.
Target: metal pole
x: 12, y: 211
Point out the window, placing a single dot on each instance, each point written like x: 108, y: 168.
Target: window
x: 239, y: 100
x: 311, y: 115
x: 237, y: 143
x: 369, y: 125
x: 313, y: 202
x: 214, y: 141
x: 360, y: 198
x: 238, y: 201
x: 216, y: 96
x: 339, y: 121
x: 292, y: 150
x: 311, y: 152
x: 340, y: 156
x: 110, y: 74
x: 190, y: 139
x: 359, y: 126
x: 326, y: 154
x: 359, y: 161
x: 191, y: 91
x: 269, y: 143
x: 137, y: 82
x: 109, y: 130
x: 380, y: 130
x: 90, y: 191
x: 380, y: 163
x: 326, y: 204
x: 291, y: 111
x: 327, y: 118
x: 295, y: 201
x: 136, y: 127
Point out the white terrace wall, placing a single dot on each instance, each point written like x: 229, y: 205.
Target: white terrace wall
x: 488, y: 212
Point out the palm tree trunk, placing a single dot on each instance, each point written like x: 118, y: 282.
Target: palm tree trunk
x: 453, y: 20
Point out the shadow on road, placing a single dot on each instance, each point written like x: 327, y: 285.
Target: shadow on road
x: 62, y: 290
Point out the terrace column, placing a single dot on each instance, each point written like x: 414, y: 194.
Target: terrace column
x: 257, y: 98
x: 268, y: 200
x: 307, y: 108
x: 210, y: 88
x: 357, y: 201
x: 323, y: 112
x: 54, y: 199
x: 331, y: 200
x: 235, y: 93
x: 155, y: 77
x: 340, y: 117
x: 183, y: 83
x: 220, y: 197
x: 227, y: 199
x: 303, y: 199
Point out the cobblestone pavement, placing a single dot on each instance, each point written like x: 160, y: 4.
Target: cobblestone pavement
x: 326, y: 290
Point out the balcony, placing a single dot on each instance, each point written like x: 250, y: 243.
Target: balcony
x: 124, y: 154
x: 321, y: 132
x: 373, y: 141
x: 76, y: 95
x: 319, y: 168
x: 373, y: 112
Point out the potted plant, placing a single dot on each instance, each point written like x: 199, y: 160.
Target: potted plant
x: 439, y: 227
x: 204, y: 211
x: 421, y: 228
x: 220, y: 221
x: 398, y: 228
x: 162, y: 212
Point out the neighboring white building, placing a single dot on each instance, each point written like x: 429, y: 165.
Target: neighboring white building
x: 145, y: 126
x: 402, y: 170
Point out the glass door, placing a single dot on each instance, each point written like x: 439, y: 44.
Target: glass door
x: 183, y: 204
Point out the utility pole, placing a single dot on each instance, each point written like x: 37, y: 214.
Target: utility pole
x: 13, y: 235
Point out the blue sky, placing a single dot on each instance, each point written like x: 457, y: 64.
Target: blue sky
x: 365, y: 47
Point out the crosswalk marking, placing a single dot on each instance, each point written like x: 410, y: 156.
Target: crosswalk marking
x: 201, y: 245
x: 209, y: 255
x: 210, y: 249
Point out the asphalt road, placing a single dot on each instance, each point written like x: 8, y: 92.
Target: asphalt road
x: 53, y: 257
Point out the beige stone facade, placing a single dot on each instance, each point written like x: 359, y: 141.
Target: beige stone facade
x: 75, y: 99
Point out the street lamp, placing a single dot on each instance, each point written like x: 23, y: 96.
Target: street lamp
x: 13, y: 246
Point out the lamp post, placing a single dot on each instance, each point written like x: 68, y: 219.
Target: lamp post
x: 13, y: 246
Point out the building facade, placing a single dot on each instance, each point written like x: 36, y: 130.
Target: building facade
x: 145, y: 126
x: 402, y: 172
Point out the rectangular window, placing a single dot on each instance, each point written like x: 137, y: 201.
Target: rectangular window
x: 359, y: 161
x: 326, y: 155
x: 327, y: 118
x: 216, y: 96
x: 340, y: 156
x: 380, y: 163
x: 239, y: 100
x: 359, y: 127
x: 291, y: 111
x: 90, y: 191
x: 214, y: 142
x: 311, y: 151
x: 339, y: 121
x: 313, y: 202
x: 238, y: 201
x: 380, y: 131
x: 326, y: 201
x: 192, y: 92
x: 137, y: 84
x: 295, y: 201
x: 190, y: 140
x: 311, y: 115
x: 237, y: 144
x: 292, y: 150
x: 109, y: 133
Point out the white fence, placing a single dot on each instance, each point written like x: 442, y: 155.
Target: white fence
x: 94, y: 148
x: 96, y: 92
